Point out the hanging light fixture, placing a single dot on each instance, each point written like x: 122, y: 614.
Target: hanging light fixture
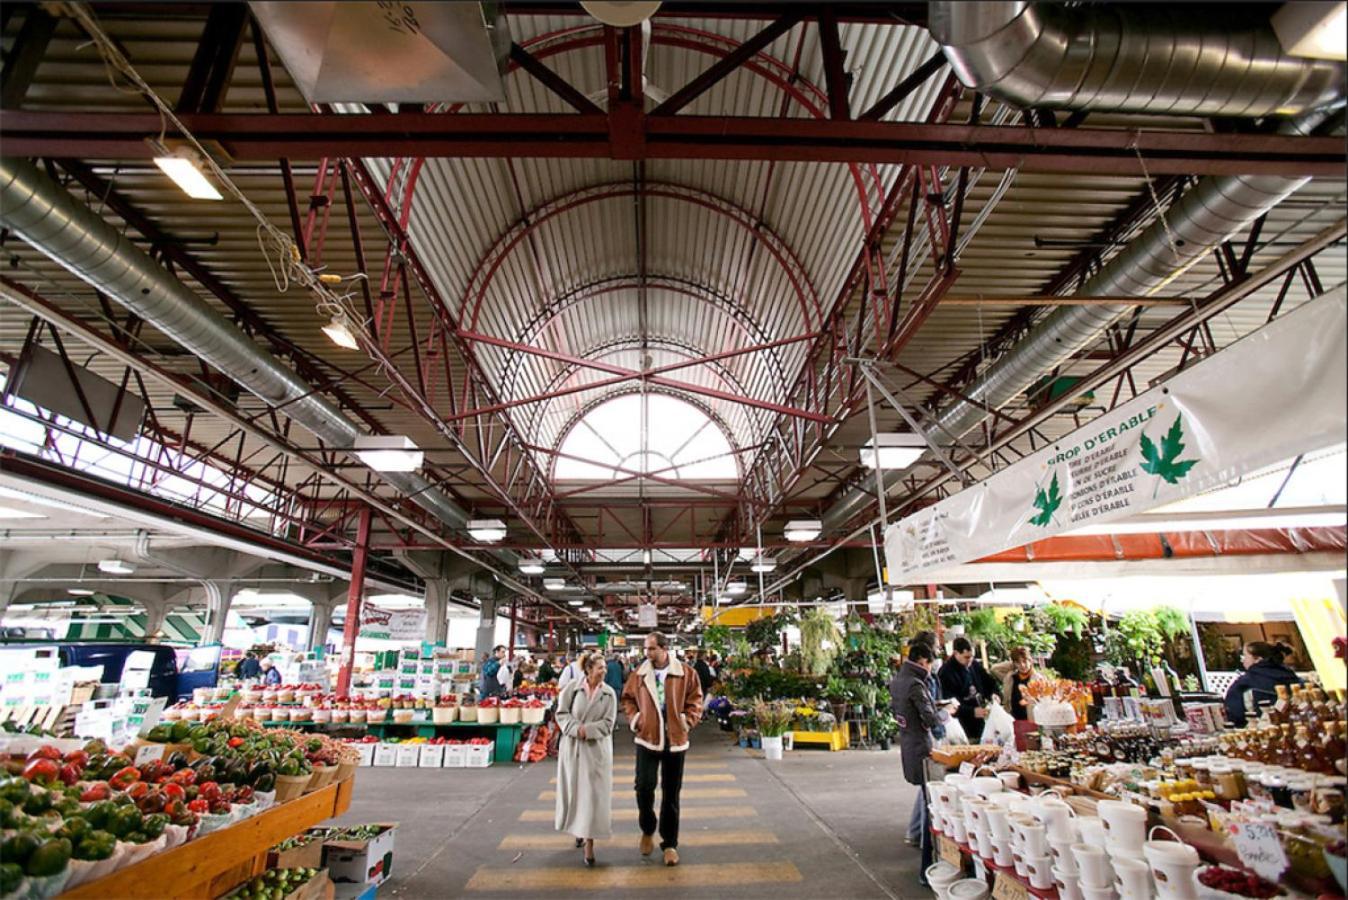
x: 115, y: 567
x: 736, y: 587
x: 389, y: 453
x: 896, y: 451
x: 488, y: 531
x: 532, y: 565
x: 800, y: 531
x: 79, y: 592
x: 554, y: 584
x: 645, y: 557
x: 573, y: 602
x: 340, y: 332
x: 183, y: 164
x: 763, y: 564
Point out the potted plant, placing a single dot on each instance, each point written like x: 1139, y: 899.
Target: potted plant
x: 773, y: 718
x: 883, y: 728
x: 819, y: 641
x: 838, y: 693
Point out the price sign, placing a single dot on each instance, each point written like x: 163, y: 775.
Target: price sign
x: 227, y: 711
x: 149, y: 753
x: 1008, y: 888
x: 1258, y: 847
x: 949, y: 851
x: 967, y: 769
x: 151, y: 717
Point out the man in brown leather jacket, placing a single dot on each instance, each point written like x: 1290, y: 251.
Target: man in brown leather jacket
x: 662, y: 700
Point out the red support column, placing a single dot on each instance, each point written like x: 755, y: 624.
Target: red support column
x: 514, y: 604
x: 353, y: 596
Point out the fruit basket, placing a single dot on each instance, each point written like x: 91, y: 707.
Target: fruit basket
x: 510, y: 712
x: 533, y: 712
x: 489, y: 711
x: 1222, y: 883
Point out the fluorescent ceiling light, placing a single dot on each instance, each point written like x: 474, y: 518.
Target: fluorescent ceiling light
x: 397, y: 601
x: 802, y: 530
x: 183, y: 166
x: 763, y: 564
x: 532, y: 566
x: 897, y: 451
x: 7, y: 512
x: 554, y: 584
x: 646, y: 557
x: 339, y: 331
x: 115, y: 567
x: 488, y: 531
x: 575, y: 602
x: 79, y: 592
x: 1314, y: 30
x: 389, y: 453
x: 736, y: 587
x: 1223, y: 520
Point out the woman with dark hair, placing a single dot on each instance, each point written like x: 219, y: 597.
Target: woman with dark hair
x: 1264, y: 671
x: 1016, y: 679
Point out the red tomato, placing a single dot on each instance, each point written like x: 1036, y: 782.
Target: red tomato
x: 42, y: 769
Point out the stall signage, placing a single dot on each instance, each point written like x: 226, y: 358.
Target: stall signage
x: 949, y: 851
x: 1259, y: 848
x: 1275, y: 393
x: 392, y: 624
x: 1006, y: 887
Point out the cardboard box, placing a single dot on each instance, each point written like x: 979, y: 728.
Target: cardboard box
x: 456, y: 756
x: 361, y: 862
x: 366, y: 752
x: 309, y: 856
x: 432, y: 756
x: 385, y: 754
x: 479, y: 755
x: 408, y: 755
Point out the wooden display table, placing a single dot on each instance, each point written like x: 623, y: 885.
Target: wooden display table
x: 217, y: 863
x: 507, y: 737
x: 837, y: 739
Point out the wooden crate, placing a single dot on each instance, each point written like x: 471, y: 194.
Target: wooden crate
x: 217, y: 863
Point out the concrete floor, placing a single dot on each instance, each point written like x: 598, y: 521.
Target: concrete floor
x: 814, y: 824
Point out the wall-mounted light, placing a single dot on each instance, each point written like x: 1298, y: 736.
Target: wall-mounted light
x: 389, y: 453
x: 488, y: 531
x: 802, y: 530
x: 340, y: 332
x: 184, y: 165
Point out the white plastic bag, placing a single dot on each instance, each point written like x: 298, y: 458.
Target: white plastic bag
x: 954, y: 732
x: 999, y: 728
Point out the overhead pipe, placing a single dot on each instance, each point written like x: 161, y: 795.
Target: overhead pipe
x: 1141, y: 58
x: 1003, y: 48
x: 48, y: 217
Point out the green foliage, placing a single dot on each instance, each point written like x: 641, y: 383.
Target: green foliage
x: 1073, y: 657
x: 1061, y: 620
x: 1171, y: 622
x: 766, y: 634
x: 883, y: 725
x: 1046, y: 503
x: 770, y: 684
x: 740, y: 650
x: 717, y: 638
x: 1165, y: 462
x: 838, y: 690
x: 1136, y: 636
x: 773, y: 717
x: 818, y: 629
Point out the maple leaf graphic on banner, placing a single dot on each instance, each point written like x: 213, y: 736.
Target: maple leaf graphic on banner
x: 1164, y: 462
x: 1047, y: 503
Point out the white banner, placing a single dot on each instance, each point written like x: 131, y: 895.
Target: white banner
x: 1271, y: 395
x: 392, y: 624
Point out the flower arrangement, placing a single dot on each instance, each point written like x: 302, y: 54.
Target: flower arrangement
x: 773, y: 717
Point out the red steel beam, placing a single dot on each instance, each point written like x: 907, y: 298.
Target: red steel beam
x: 264, y: 136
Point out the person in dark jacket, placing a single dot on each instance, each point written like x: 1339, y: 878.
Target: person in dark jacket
x: 703, y: 671
x: 614, y: 676
x: 249, y: 667
x: 910, y: 700
x: 491, y: 673
x: 1264, y: 671
x: 918, y: 818
x: 963, y: 678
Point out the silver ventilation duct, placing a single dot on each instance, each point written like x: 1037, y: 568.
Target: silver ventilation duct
x: 1119, y: 58
x: 1144, y: 57
x: 46, y: 215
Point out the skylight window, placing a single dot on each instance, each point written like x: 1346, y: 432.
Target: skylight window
x: 653, y: 434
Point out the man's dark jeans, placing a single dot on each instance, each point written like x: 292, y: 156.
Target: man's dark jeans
x: 667, y: 768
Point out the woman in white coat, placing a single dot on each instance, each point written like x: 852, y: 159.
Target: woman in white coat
x: 586, y: 710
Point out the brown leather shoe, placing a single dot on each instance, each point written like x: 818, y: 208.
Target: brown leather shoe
x: 647, y: 845
x: 671, y: 856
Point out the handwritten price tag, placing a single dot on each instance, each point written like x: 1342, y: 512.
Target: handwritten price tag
x: 149, y: 753
x: 1008, y: 888
x: 1258, y: 847
x: 967, y: 769
x: 949, y: 851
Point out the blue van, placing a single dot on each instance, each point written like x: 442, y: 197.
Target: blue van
x: 171, y: 672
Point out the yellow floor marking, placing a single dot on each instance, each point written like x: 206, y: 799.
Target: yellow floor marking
x: 685, y: 794
x: 644, y: 876
x: 696, y: 839
x: 630, y: 815
x: 689, y: 779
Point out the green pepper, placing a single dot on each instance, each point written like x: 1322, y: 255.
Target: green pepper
x: 155, y: 825
x: 10, y: 876
x: 125, y: 821
x: 75, y: 828
x: 96, y: 845
x: 51, y: 858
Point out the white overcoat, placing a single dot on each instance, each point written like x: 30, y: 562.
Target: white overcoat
x: 585, y: 767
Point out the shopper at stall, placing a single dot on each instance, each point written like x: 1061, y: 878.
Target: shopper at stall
x: 963, y: 678
x: 546, y: 672
x: 1264, y: 671
x: 586, y: 710
x: 663, y: 702
x: 270, y: 674
x: 491, y: 672
x: 917, y: 819
x: 570, y: 672
x: 614, y: 674
x: 1021, y: 673
x: 914, y: 708
x: 703, y: 671
x: 248, y: 667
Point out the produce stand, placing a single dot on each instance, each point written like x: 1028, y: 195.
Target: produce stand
x: 837, y: 739
x: 507, y: 737
x: 214, y: 864
x: 1003, y: 879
